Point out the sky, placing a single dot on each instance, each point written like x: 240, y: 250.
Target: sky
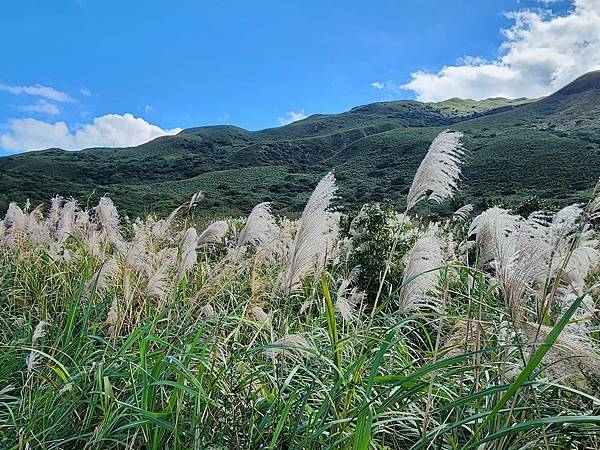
x: 82, y: 73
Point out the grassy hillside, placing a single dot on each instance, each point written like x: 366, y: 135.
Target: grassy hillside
x: 454, y: 107
x: 519, y: 150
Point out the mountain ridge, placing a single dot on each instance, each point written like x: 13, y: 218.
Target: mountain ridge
x: 518, y: 149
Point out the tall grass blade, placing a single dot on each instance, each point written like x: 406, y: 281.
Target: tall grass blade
x: 533, y: 363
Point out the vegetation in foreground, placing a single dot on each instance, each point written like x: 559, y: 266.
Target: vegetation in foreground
x: 382, y: 330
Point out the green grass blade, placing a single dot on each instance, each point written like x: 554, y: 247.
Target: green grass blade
x: 533, y: 363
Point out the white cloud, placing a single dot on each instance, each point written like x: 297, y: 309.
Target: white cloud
x: 41, y: 106
x: 379, y: 85
x: 85, y: 91
x: 111, y: 130
x: 291, y: 116
x: 37, y: 90
x: 541, y: 53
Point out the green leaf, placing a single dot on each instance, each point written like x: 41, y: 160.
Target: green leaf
x: 331, y: 323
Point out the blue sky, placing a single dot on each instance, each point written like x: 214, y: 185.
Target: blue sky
x: 254, y: 64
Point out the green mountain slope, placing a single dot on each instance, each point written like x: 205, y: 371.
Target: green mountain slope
x: 548, y: 148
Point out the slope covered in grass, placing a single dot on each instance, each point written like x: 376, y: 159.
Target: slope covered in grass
x: 519, y: 150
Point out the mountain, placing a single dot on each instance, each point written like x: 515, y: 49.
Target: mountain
x: 518, y: 150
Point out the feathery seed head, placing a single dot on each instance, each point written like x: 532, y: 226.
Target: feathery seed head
x: 463, y: 213
x: 316, y: 234
x: 39, y: 331
x: 108, y: 218
x: 439, y: 172
x: 66, y: 221
x: 421, y: 275
x: 214, y: 234
x: 260, y: 227
x: 348, y: 298
x: 593, y: 208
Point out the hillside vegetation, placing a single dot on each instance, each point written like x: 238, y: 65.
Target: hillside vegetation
x: 377, y: 329
x: 520, y: 153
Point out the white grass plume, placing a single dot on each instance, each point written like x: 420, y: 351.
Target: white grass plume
x: 37, y: 228
x: 208, y: 311
x: 289, y: 345
x: 315, y: 236
x: 565, y: 221
x: 515, y: 275
x: 214, y: 234
x: 108, y: 218
x: 593, y: 208
x: 579, y: 326
x: 15, y: 223
x: 439, y: 172
x: 278, y: 249
x: 158, y: 284
x: 421, y: 275
x: 580, y: 263
x: 38, y: 333
x: 112, y: 317
x: 136, y: 254
x: 349, y: 297
x: 573, y: 360
x: 104, y: 277
x: 196, y: 198
x: 189, y: 256
x: 66, y: 221
x: 518, y: 250
x: 260, y: 227
x: 82, y: 219
x: 31, y: 361
x: 190, y: 239
x: 463, y: 213
x: 492, y: 229
x: 55, y: 209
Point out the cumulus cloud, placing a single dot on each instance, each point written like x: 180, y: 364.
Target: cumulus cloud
x: 379, y: 85
x: 291, y: 116
x: 42, y: 106
x: 37, y: 90
x: 541, y: 53
x: 111, y: 130
x: 85, y: 91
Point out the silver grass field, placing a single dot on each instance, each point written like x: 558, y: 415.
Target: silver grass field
x: 171, y: 333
